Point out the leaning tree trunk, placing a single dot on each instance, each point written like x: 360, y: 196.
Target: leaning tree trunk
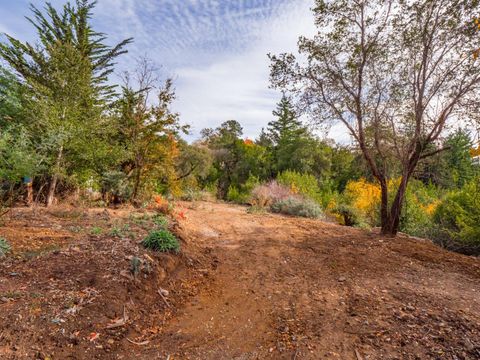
x: 53, y: 182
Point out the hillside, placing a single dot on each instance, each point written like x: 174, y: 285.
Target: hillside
x: 245, y: 286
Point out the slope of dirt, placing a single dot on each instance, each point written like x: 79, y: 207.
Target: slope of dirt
x: 70, y: 290
x: 247, y: 287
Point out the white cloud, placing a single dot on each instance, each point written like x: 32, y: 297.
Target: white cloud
x: 237, y: 86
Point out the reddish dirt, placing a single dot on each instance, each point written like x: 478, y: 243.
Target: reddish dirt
x: 247, y: 286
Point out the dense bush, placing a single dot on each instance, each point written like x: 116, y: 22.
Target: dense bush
x: 303, y: 184
x: 420, y: 204
x: 349, y: 215
x: 4, y: 247
x: 297, y: 206
x: 457, y: 219
x: 365, y: 198
x: 161, y: 240
x: 267, y: 194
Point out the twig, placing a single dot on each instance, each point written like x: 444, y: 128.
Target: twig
x: 163, y: 297
x: 357, y: 354
x: 295, y: 355
x: 138, y: 343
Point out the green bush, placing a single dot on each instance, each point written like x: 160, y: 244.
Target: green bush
x: 457, y: 219
x: 419, y: 206
x: 303, y: 184
x: 234, y: 195
x: 116, y: 184
x: 161, y: 240
x: 4, y: 247
x: 298, y: 207
x: 350, y: 215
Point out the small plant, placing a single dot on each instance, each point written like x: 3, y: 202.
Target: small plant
x: 298, y: 207
x: 96, y: 230
x: 160, y: 221
x: 120, y: 231
x: 161, y: 240
x: 4, y: 247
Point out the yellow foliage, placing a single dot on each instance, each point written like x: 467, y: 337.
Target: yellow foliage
x: 429, y: 209
x: 365, y: 197
x: 475, y: 152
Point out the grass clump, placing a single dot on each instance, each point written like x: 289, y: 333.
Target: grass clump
x: 160, y: 221
x: 4, y: 247
x: 161, y: 240
x: 298, y: 207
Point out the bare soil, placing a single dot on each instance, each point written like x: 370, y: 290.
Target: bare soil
x: 245, y: 286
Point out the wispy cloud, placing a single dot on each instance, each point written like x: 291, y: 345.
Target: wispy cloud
x: 216, y: 50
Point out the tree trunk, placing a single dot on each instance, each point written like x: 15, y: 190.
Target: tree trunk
x: 53, y: 182
x: 136, y: 184
x: 391, y: 223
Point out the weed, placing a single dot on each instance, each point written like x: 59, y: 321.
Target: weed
x: 256, y: 209
x: 96, y: 230
x: 161, y: 240
x: 160, y: 221
x: 4, y: 247
x: 121, y: 231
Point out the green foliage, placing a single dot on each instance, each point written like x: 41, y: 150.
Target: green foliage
x: 96, y: 231
x: 121, y: 231
x: 4, y: 247
x: 350, y: 215
x: 297, y: 206
x: 420, y: 204
x: 161, y: 240
x: 160, y: 221
x: 303, y: 184
x: 292, y: 146
x: 458, y: 219
x: 116, y: 184
x: 64, y: 91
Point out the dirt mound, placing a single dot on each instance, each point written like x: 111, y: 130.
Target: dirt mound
x: 79, y: 285
x: 245, y: 287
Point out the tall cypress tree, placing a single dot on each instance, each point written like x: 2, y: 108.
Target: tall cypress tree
x: 66, y: 74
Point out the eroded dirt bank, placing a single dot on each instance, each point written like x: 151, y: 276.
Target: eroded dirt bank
x: 271, y: 287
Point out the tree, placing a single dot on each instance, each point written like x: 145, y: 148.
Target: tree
x: 66, y: 79
x: 395, y: 73
x: 148, y: 130
x: 451, y: 168
x: 292, y: 146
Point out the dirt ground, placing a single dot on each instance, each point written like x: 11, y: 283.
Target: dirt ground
x: 246, y: 286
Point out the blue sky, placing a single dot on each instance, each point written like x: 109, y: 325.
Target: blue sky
x: 216, y: 50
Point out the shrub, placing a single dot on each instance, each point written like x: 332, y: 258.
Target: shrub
x: 365, y: 198
x: 4, y: 247
x: 234, y: 195
x: 161, y: 240
x: 349, y: 215
x: 197, y: 195
x: 457, y: 220
x: 420, y: 204
x: 297, y: 206
x: 160, y: 221
x: 267, y: 194
x: 303, y: 184
x: 116, y: 185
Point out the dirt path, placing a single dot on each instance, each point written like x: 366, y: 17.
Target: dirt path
x: 246, y: 286
x: 286, y: 288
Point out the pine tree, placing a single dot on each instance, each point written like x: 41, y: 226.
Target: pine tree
x: 292, y: 146
x: 66, y: 76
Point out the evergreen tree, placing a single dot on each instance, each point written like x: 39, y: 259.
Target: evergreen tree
x: 293, y: 147
x: 65, y: 76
